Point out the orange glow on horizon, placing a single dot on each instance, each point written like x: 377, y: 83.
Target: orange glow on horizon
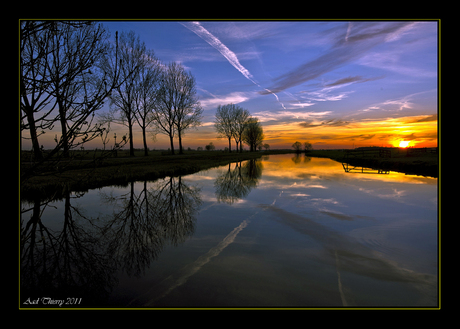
x: 418, y: 130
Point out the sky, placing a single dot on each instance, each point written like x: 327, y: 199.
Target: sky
x: 335, y: 84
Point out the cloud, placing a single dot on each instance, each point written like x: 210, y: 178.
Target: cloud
x: 399, y: 104
x: 265, y: 116
x: 426, y: 118
x: 234, y: 98
x: 349, y: 80
x: 350, y: 43
x: 331, y: 122
x: 302, y: 105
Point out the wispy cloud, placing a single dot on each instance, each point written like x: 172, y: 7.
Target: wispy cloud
x: 398, y: 104
x: 265, y: 116
x: 350, y: 43
x: 350, y: 80
x: 234, y: 98
x: 330, y: 122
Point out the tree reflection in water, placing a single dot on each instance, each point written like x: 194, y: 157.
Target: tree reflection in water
x: 82, y: 256
x: 236, y: 183
x: 141, y: 224
x: 69, y: 262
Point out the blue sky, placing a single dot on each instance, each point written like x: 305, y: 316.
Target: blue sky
x: 333, y: 83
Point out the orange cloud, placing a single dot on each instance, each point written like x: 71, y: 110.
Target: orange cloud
x: 420, y: 130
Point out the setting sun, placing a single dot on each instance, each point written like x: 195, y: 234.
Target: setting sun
x: 404, y: 143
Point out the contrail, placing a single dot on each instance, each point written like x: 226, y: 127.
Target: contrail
x: 231, y: 57
x: 179, y: 278
x: 207, y: 36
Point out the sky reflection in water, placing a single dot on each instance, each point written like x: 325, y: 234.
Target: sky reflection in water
x: 281, y: 231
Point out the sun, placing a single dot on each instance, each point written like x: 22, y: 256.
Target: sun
x: 404, y: 143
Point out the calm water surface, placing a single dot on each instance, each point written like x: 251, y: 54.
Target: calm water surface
x: 284, y: 231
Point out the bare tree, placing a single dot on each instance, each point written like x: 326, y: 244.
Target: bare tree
x: 34, y: 81
x: 240, y: 117
x: 164, y: 114
x: 297, y: 146
x: 132, y: 52
x: 253, y: 134
x: 73, y: 53
x: 188, y: 110
x: 224, y: 123
x: 63, y: 66
x: 177, y: 107
x: 146, y: 91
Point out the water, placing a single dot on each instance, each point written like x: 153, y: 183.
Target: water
x: 284, y: 231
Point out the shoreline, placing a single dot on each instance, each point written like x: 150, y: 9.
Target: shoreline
x: 424, y: 165
x: 119, y: 171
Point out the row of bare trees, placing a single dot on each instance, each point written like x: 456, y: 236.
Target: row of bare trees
x: 68, y: 69
x: 232, y: 121
x: 62, y: 81
x: 157, y: 96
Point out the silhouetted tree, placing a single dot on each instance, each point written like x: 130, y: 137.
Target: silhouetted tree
x: 63, y: 80
x: 253, y: 134
x: 210, y: 147
x: 146, y: 91
x: 240, y: 118
x: 297, y: 146
x: 230, y: 123
x: 224, y: 123
x: 123, y: 99
x: 188, y: 110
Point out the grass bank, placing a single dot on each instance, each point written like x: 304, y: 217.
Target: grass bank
x: 425, y: 164
x: 113, y: 171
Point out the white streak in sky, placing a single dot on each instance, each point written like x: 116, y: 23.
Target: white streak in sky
x: 348, y: 31
x: 231, y: 57
x: 207, y: 36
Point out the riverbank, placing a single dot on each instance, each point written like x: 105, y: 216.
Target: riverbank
x: 118, y: 171
x: 85, y: 174
x: 425, y: 164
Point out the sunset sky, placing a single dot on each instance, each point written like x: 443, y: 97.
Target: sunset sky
x: 333, y: 83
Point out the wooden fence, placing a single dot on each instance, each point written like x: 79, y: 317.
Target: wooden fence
x: 368, y: 153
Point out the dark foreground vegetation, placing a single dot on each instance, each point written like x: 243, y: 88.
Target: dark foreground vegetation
x: 86, y: 171
x: 409, y: 161
x: 86, y: 174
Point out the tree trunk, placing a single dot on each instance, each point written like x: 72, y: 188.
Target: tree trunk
x: 33, y: 135
x: 172, y: 144
x: 131, y: 142
x: 146, y: 151
x: 64, y: 137
x: 229, y: 145
x: 181, y: 151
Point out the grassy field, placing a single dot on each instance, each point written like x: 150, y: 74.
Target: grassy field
x: 418, y: 163
x: 83, y: 174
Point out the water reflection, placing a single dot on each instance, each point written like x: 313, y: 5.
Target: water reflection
x: 281, y: 231
x: 81, y: 257
x: 64, y: 262
x: 234, y: 184
x: 142, y: 222
x: 363, y: 170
